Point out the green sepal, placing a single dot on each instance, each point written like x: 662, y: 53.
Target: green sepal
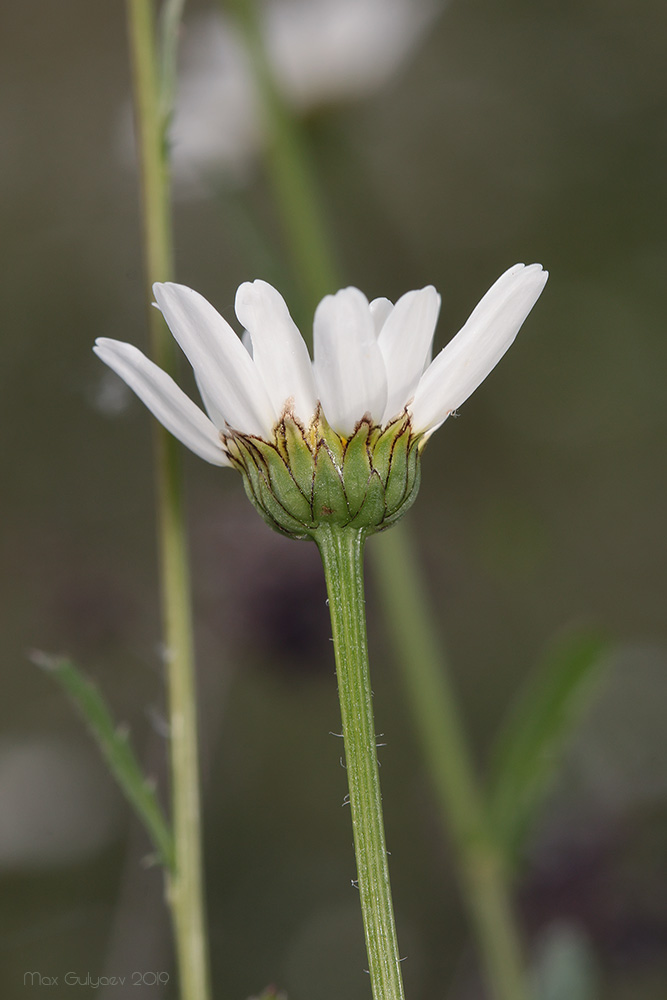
x: 277, y: 513
x: 329, y: 500
x: 382, y: 449
x: 259, y: 494
x: 397, y: 479
x: 256, y: 482
x: 357, y: 467
x: 410, y: 497
x: 299, y: 457
x: 283, y: 484
x: 413, y: 473
x: 334, y: 443
x: 246, y: 460
x: 373, y: 437
x: 371, y: 513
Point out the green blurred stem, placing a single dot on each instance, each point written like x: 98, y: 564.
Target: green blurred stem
x: 186, y: 891
x: 483, y: 866
x: 290, y: 171
x: 341, y: 550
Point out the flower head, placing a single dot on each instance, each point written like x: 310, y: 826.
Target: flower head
x: 336, y: 439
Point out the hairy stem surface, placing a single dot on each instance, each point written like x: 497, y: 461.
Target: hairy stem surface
x: 342, y: 555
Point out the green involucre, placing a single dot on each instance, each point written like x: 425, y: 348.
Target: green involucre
x: 306, y: 478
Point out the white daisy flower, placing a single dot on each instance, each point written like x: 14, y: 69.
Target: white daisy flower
x: 372, y: 382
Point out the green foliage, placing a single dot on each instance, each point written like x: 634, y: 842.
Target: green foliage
x: 113, y: 741
x: 538, y: 726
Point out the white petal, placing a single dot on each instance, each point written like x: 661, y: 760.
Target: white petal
x: 380, y: 310
x: 278, y: 349
x: 478, y: 347
x: 211, y: 405
x: 230, y: 382
x: 348, y: 365
x: 405, y: 341
x: 164, y: 399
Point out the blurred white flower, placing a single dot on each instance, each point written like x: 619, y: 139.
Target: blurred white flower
x: 216, y: 124
x: 321, y: 51
x: 324, y: 51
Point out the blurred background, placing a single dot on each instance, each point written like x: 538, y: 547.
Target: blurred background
x: 449, y: 142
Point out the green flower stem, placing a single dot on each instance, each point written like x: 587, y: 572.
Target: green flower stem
x: 342, y: 556
x: 186, y: 893
x: 484, y: 871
